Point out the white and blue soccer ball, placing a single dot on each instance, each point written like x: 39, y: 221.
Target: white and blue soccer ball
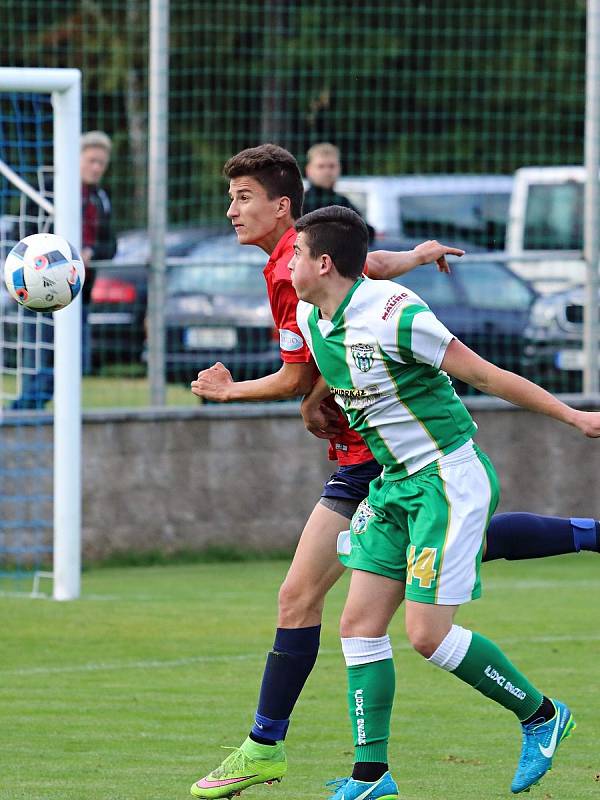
x: 43, y: 272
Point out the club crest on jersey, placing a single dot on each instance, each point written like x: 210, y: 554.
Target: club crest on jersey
x: 362, y: 517
x: 363, y: 356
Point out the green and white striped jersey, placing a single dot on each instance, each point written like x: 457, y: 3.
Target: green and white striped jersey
x: 381, y: 356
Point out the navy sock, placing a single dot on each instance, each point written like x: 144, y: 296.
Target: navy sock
x: 289, y: 664
x: 519, y: 535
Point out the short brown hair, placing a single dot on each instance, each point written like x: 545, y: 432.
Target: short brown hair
x: 341, y: 234
x: 274, y: 168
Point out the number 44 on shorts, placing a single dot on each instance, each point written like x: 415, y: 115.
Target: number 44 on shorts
x: 421, y: 568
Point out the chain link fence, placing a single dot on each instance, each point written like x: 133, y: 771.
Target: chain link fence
x: 436, y: 109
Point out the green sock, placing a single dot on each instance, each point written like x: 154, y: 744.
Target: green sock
x: 370, y: 696
x: 487, y: 669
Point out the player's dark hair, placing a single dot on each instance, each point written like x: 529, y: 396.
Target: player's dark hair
x: 341, y: 234
x: 274, y: 168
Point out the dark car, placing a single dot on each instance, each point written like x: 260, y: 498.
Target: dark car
x: 217, y: 309
x: 119, y: 298
x: 553, y: 352
x: 482, y: 303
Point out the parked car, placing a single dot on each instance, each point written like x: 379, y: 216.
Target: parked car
x: 217, y: 309
x: 119, y: 297
x: 463, y: 209
x: 483, y: 303
x: 546, y: 223
x: 553, y: 351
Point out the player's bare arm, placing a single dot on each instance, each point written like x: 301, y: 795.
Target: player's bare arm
x: 462, y: 363
x: 290, y: 381
x: 384, y: 264
x: 321, y: 420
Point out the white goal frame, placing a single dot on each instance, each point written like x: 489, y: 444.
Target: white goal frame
x: 64, y: 86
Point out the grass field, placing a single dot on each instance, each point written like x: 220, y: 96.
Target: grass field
x: 113, y: 391
x: 129, y: 693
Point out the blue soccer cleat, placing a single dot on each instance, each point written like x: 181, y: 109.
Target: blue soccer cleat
x: 540, y: 740
x: 349, y: 789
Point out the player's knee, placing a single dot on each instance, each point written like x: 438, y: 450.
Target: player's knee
x: 355, y: 622
x: 348, y: 628
x: 298, y: 603
x: 423, y: 640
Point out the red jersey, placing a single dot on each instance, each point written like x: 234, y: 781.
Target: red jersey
x: 348, y: 447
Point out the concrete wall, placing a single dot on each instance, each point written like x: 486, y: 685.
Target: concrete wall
x: 174, y: 483
x: 184, y: 480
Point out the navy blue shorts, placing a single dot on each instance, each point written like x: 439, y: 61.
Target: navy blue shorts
x: 351, y: 483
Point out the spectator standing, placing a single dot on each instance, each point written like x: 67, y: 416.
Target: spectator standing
x: 98, y: 243
x: 323, y: 168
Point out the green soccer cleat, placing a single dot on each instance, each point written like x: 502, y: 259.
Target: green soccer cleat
x: 247, y: 765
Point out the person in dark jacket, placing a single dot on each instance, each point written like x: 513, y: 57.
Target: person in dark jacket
x: 98, y: 243
x: 323, y: 168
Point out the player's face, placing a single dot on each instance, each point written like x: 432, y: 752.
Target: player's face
x: 253, y: 216
x: 305, y: 270
x: 323, y: 171
x: 92, y: 164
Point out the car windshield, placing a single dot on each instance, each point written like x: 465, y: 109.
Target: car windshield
x: 435, y: 289
x: 554, y: 217
x: 474, y: 217
x: 216, y: 278
x: 220, y: 265
x: 491, y: 287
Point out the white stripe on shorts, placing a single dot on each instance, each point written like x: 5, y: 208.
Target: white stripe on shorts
x: 469, y: 494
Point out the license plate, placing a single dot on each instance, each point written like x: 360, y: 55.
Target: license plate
x: 210, y: 338
x: 571, y: 360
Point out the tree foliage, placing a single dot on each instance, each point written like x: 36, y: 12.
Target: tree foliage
x: 420, y: 87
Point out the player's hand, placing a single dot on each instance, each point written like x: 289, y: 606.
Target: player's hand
x: 321, y: 420
x: 432, y: 250
x: 588, y: 422
x: 213, y: 383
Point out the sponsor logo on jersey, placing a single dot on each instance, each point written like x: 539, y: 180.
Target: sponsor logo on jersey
x: 363, y: 356
x: 362, y: 517
x: 356, y: 399
x: 392, y: 305
x: 290, y: 341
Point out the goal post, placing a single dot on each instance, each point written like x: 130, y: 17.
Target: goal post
x: 64, y: 86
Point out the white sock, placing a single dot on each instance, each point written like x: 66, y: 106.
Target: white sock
x: 453, y: 649
x: 363, y: 650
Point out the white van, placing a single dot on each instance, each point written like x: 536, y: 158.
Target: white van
x: 467, y: 209
x: 546, y: 216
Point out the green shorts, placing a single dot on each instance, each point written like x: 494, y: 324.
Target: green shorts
x: 428, y: 529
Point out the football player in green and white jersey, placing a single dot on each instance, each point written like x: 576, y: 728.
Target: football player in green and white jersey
x: 419, y: 535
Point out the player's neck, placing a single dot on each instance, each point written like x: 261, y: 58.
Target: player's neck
x: 333, y: 296
x: 269, y: 242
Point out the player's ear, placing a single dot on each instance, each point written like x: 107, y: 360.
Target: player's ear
x: 284, y: 205
x: 326, y: 264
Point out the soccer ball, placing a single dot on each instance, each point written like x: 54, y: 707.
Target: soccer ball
x: 43, y: 272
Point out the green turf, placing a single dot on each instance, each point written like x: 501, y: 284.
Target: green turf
x: 114, y: 391
x: 130, y: 692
